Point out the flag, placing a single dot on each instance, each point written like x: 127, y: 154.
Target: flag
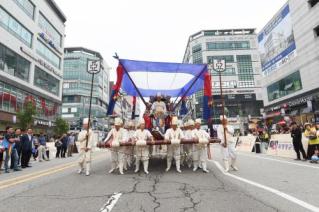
x: 183, y: 110
x: 207, y: 98
x: 115, y: 90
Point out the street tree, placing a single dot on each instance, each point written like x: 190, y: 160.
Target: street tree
x: 26, y: 115
x: 61, y: 127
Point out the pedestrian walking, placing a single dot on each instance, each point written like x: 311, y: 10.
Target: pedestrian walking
x: 42, y: 148
x: 296, y: 135
x: 71, y: 142
x: 26, y: 148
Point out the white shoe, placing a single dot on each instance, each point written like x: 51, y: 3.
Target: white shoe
x: 234, y: 168
x: 167, y: 169
x: 179, y: 170
x: 226, y: 163
x: 87, y: 173
x: 111, y: 171
x: 146, y: 172
x: 205, y: 168
x: 195, y: 167
x: 80, y: 171
x: 136, y: 170
x: 121, y: 172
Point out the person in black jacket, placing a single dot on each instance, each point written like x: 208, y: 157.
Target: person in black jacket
x: 26, y: 147
x: 296, y: 135
x: 64, y: 146
x: 17, y: 148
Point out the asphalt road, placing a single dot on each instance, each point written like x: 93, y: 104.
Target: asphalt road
x: 262, y: 184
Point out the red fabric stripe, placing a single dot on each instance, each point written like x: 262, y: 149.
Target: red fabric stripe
x: 119, y: 72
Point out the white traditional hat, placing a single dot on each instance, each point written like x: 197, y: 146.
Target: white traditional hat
x: 118, y: 122
x: 221, y: 117
x: 174, y: 121
x: 86, y: 121
x: 186, y: 124
x: 191, y: 122
x: 131, y: 124
x: 198, y: 121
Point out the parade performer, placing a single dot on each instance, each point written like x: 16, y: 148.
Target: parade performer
x: 174, y: 134
x: 85, y: 138
x: 141, y: 149
x: 118, y: 134
x: 188, y: 148
x: 228, y: 147
x: 200, y: 149
x: 129, y: 150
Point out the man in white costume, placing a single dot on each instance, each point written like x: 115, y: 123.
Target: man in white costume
x: 174, y: 134
x: 159, y: 107
x: 85, y: 150
x: 188, y: 148
x: 200, y: 149
x: 129, y: 150
x: 228, y: 147
x: 142, y: 150
x: 118, y: 135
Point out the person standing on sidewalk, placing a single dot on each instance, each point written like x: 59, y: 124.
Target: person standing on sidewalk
x: 26, y: 145
x: 313, y: 142
x: 17, y: 148
x: 71, y: 141
x: 64, y: 147
x: 9, y: 143
x: 296, y: 135
x: 42, y: 148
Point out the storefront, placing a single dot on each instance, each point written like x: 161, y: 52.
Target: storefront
x: 302, y: 108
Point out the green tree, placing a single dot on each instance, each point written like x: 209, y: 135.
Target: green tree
x: 61, y: 127
x: 26, y: 115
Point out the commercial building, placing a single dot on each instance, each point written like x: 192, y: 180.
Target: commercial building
x: 241, y: 80
x: 31, y: 59
x: 77, y: 87
x: 289, y: 49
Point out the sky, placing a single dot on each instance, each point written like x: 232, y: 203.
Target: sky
x: 155, y: 30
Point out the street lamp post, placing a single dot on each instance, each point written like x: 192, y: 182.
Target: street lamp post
x: 220, y: 66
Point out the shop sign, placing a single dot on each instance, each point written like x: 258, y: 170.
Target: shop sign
x: 300, y: 101
x: 43, y: 123
x: 41, y: 62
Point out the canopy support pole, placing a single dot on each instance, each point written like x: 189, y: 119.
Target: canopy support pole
x: 138, y: 91
x: 197, y: 77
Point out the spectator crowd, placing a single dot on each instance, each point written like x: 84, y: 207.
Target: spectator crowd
x: 18, y: 147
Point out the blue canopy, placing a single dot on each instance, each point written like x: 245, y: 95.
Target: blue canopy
x: 170, y: 79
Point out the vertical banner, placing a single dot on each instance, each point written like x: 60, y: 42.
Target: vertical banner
x: 115, y: 90
x: 207, y: 101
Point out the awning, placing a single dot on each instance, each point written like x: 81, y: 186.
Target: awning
x: 273, y: 114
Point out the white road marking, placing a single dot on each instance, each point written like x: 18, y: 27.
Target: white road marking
x: 281, y: 161
x: 274, y: 191
x: 110, y: 202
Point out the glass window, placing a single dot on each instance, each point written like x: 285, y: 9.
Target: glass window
x: 26, y: 6
x: 227, y: 58
x: 14, y: 64
x: 230, y: 45
x: 15, y: 28
x: 285, y: 86
x: 50, y: 31
x: 245, y: 68
x: 46, y: 81
x: 46, y: 53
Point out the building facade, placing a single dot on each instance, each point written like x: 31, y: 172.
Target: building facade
x: 77, y: 87
x: 31, y: 59
x: 289, y: 49
x: 240, y: 82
